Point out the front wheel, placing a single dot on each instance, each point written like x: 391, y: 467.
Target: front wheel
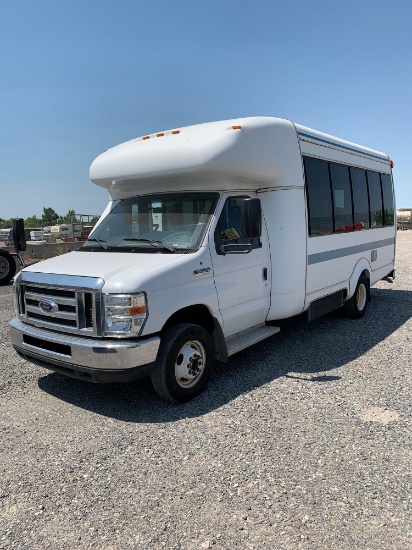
x: 7, y: 267
x: 356, y: 306
x: 183, y: 363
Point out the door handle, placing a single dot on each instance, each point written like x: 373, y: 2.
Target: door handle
x: 265, y: 273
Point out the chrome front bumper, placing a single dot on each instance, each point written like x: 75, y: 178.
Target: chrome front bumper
x: 97, y: 360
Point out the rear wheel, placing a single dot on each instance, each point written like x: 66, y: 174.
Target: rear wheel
x: 184, y: 362
x: 356, y: 306
x: 7, y: 267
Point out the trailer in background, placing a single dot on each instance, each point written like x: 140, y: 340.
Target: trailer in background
x: 404, y: 218
x: 66, y: 232
x: 37, y: 235
x: 5, y: 234
x: 8, y: 263
x: 78, y: 230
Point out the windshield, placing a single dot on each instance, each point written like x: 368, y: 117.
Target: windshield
x: 168, y: 223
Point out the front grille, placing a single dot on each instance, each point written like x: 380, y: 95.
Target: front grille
x: 88, y: 304
x: 74, y: 310
x: 56, y: 320
x: 51, y: 291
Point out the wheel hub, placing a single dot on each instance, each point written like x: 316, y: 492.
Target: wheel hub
x: 4, y: 267
x: 361, y: 297
x: 190, y: 364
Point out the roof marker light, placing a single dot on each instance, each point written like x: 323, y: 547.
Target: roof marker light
x: 175, y: 131
x: 236, y: 127
x: 161, y: 134
x: 146, y: 137
x: 392, y: 163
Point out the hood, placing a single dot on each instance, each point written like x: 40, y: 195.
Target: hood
x: 119, y: 270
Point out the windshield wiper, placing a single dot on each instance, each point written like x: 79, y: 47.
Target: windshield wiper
x: 104, y: 246
x: 156, y: 244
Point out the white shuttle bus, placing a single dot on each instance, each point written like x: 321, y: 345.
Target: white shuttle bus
x: 212, y: 234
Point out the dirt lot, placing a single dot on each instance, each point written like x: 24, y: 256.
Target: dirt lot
x: 303, y: 441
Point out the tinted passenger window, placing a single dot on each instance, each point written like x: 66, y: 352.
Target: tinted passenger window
x: 360, y: 199
x: 342, y: 198
x: 375, y: 199
x: 319, y: 197
x: 387, y: 194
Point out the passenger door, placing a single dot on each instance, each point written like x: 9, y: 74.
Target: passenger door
x: 242, y: 278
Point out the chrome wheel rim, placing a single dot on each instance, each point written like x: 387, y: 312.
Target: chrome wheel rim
x: 190, y: 364
x: 361, y: 297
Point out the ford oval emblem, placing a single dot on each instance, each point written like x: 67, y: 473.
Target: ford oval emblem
x: 48, y: 306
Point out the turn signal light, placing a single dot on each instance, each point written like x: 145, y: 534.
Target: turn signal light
x: 137, y: 310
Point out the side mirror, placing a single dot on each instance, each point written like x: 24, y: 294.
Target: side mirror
x: 19, y: 238
x: 251, y: 218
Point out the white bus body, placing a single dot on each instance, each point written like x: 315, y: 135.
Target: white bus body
x: 171, y: 275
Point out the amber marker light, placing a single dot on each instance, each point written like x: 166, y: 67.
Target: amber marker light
x: 137, y: 310
x: 146, y: 137
x: 174, y: 132
x: 236, y: 127
x: 160, y: 135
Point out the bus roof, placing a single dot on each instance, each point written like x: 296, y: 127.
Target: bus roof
x: 243, y: 153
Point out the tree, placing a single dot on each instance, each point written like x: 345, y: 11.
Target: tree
x: 49, y: 217
x: 68, y: 217
x: 6, y: 224
x: 33, y: 221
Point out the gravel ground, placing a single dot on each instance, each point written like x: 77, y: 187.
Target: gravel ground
x: 302, y: 441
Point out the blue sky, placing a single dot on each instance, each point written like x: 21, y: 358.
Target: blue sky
x: 81, y: 76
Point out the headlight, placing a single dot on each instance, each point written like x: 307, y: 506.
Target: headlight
x: 16, y: 301
x: 16, y: 292
x: 125, y: 314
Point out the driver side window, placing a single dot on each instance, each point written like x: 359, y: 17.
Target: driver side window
x: 229, y: 231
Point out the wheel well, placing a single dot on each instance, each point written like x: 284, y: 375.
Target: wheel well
x: 198, y: 315
x: 368, y: 291
x: 359, y: 270
x: 367, y: 275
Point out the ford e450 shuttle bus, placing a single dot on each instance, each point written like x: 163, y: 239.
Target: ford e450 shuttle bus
x: 213, y: 233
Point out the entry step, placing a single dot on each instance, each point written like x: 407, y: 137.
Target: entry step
x: 247, y: 339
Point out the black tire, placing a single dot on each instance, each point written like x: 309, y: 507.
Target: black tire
x: 7, y: 267
x: 184, y: 363
x: 356, y: 306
